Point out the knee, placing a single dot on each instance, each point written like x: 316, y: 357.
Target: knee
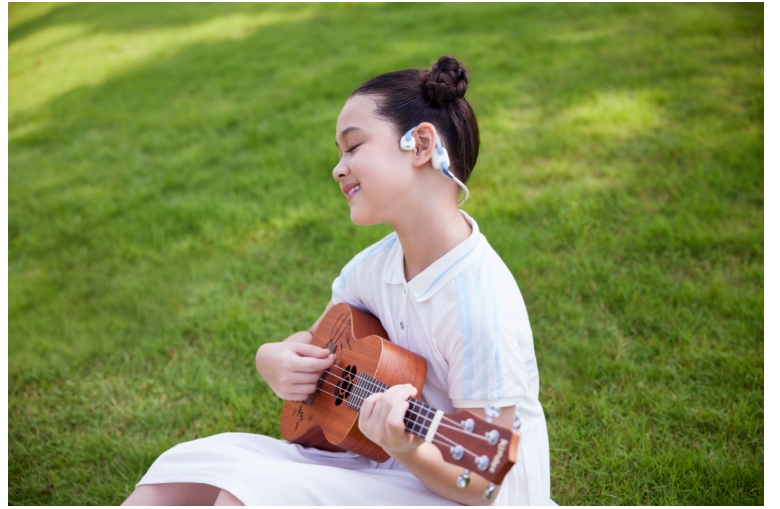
x: 173, y: 494
x: 227, y: 498
x: 143, y: 495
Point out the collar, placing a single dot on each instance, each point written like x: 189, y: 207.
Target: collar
x: 442, y: 271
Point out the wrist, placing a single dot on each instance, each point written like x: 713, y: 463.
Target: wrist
x: 407, y: 452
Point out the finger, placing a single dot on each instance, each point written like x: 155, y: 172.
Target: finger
x: 393, y: 412
x: 303, y: 388
x: 400, y: 393
x: 302, y: 377
x: 368, y: 408
x: 309, y: 350
x: 395, y: 416
x: 398, y: 404
x: 313, y: 364
x: 366, y: 413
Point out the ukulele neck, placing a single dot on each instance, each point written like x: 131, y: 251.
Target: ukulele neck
x: 418, y: 417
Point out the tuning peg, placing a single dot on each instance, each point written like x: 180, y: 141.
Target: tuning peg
x: 517, y: 423
x: 457, y: 452
x: 489, y: 491
x: 464, y: 478
x: 467, y: 425
x: 492, y: 411
x: 482, y: 462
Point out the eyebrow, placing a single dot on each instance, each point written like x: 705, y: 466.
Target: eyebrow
x: 346, y: 131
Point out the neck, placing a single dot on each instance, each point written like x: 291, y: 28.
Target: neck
x: 425, y: 241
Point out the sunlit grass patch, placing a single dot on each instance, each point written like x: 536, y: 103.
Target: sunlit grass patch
x: 613, y: 115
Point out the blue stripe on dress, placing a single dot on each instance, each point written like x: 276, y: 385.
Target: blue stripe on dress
x: 496, y: 331
x: 465, y: 328
x: 448, y: 269
x: 370, y: 252
x: 480, y: 329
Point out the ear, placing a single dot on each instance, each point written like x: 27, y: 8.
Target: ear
x: 425, y: 144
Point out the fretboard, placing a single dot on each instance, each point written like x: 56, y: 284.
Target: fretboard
x: 418, y: 417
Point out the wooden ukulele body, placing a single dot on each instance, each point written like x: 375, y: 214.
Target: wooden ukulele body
x: 359, y: 342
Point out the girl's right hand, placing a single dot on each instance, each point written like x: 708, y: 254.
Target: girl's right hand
x: 292, y: 368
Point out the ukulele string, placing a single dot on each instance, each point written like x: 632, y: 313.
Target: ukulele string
x: 426, y: 419
x: 457, y: 426
x: 435, y: 441
x: 361, y: 400
x: 382, y: 388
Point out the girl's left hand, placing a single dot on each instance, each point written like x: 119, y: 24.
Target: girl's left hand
x: 382, y: 419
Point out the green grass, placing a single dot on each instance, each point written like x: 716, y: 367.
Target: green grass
x: 171, y: 208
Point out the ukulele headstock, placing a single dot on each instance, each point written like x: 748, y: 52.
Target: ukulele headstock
x: 478, y: 445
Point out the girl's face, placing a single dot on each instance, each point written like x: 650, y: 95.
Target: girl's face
x: 373, y: 172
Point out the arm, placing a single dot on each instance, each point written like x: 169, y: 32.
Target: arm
x: 381, y: 420
x: 293, y: 366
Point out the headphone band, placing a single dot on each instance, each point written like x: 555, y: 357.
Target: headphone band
x: 440, y: 159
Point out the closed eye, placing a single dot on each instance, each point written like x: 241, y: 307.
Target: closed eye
x: 351, y: 149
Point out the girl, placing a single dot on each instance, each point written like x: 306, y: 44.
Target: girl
x: 439, y: 290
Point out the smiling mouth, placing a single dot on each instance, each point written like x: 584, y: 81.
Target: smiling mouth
x: 352, y: 191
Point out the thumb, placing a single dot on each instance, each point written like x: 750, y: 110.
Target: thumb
x: 309, y: 350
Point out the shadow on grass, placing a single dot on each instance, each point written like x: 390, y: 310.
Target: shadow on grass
x: 165, y: 221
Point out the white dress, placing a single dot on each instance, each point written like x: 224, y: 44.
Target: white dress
x: 465, y: 315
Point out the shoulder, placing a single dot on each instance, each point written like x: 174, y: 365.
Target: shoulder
x: 487, y: 280
x: 371, y: 258
x: 483, y: 299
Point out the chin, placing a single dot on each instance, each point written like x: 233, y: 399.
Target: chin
x: 362, y: 219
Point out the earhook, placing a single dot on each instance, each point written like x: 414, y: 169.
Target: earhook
x: 407, y: 142
x: 440, y: 159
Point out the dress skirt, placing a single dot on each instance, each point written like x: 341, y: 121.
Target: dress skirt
x: 259, y: 470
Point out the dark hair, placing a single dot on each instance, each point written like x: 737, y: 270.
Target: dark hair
x: 436, y: 95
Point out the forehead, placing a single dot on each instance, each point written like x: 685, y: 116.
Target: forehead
x: 358, y: 112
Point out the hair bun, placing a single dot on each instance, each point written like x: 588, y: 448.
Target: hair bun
x: 446, y: 81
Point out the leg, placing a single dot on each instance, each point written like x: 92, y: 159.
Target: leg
x: 179, y: 493
x: 227, y: 498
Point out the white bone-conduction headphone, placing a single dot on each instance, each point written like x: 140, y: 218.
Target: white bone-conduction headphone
x: 440, y: 159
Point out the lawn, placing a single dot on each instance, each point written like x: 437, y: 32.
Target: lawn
x: 171, y: 208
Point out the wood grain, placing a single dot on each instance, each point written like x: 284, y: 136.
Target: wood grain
x: 359, y: 341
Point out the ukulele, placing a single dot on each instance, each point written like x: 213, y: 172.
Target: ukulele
x: 367, y: 363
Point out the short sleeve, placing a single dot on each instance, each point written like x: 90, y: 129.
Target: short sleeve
x: 487, y: 369
x: 345, y: 289
x: 488, y: 353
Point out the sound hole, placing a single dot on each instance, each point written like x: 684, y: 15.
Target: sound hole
x: 345, y: 388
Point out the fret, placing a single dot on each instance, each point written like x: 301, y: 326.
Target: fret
x: 429, y: 413
x: 364, y: 392
x: 354, y: 401
x: 422, y: 413
x: 410, y: 419
x: 417, y: 418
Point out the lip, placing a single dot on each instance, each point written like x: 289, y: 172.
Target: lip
x: 349, y: 187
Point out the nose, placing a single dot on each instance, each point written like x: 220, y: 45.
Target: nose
x: 341, y: 170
